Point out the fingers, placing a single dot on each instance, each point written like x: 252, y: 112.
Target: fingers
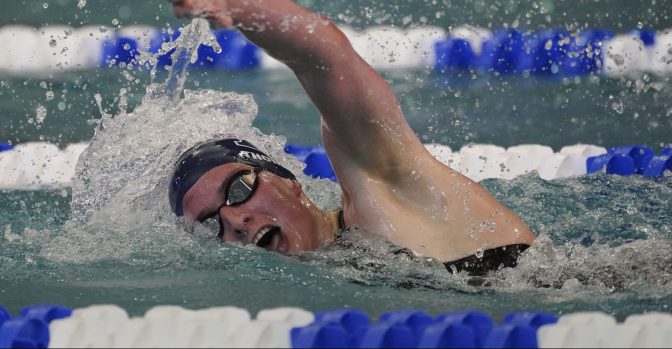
x: 190, y: 9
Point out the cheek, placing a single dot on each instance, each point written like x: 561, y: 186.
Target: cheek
x: 282, y: 198
x: 301, y: 232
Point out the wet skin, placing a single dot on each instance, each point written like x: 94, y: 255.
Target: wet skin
x: 278, y: 204
x: 391, y: 185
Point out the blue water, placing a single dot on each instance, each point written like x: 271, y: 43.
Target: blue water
x: 605, y: 242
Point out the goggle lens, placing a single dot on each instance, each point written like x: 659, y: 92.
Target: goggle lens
x: 241, y: 188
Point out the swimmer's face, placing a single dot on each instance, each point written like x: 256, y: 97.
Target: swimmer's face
x: 255, y: 207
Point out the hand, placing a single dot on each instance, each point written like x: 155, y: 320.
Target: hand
x: 215, y: 11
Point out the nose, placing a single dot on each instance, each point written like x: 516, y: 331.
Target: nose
x: 238, y: 220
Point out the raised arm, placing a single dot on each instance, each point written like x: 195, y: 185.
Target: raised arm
x: 391, y: 185
x: 363, y: 126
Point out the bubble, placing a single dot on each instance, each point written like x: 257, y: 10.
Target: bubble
x: 45, y: 6
x: 81, y: 4
x: 40, y: 114
x: 480, y: 253
x: 618, y: 106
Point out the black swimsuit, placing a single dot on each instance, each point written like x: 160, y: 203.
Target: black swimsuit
x: 491, y: 260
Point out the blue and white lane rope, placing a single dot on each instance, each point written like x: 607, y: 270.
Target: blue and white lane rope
x: 109, y: 326
x: 33, y: 166
x: 551, y: 52
x: 483, y: 161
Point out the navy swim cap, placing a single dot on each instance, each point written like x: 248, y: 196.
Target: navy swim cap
x: 203, y: 157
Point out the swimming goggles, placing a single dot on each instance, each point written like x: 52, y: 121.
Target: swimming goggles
x: 241, y: 187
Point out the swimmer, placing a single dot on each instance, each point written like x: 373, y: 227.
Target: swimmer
x: 391, y: 185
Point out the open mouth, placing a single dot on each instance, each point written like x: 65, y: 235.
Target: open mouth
x: 268, y: 238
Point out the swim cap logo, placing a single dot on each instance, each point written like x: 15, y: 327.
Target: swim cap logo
x: 254, y: 156
x: 241, y: 143
x: 203, y: 157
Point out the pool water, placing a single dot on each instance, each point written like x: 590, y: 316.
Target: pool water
x: 604, y: 242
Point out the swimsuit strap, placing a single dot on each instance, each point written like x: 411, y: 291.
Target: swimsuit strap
x: 341, y: 220
x: 341, y: 225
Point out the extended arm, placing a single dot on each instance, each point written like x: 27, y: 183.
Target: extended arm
x: 392, y: 186
x: 363, y: 126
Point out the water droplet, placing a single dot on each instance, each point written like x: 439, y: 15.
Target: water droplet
x: 45, y: 5
x: 618, y: 106
x: 115, y: 22
x: 40, y: 114
x: 102, y: 29
x: 640, y: 25
x: 52, y: 42
x: 127, y: 46
x: 81, y: 4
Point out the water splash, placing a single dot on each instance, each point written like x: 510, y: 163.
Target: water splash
x: 123, y: 175
x: 123, y: 228
x: 192, y: 36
